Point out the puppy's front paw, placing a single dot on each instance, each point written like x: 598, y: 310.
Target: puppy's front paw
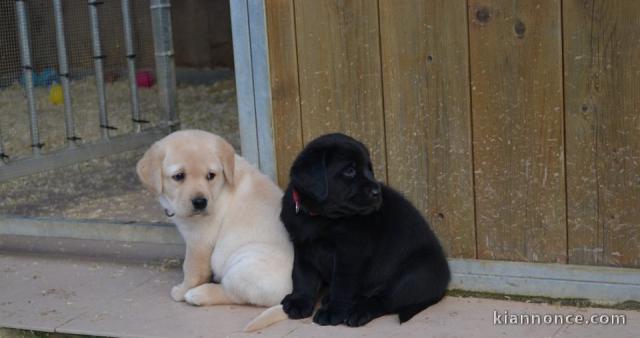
x: 207, y: 294
x: 359, y: 316
x: 194, y: 297
x: 297, y: 306
x: 332, y: 314
x: 177, y: 292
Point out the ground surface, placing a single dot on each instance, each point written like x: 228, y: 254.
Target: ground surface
x: 71, y: 295
x: 105, y: 188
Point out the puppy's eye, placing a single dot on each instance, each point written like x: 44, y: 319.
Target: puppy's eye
x: 210, y: 176
x: 179, y: 177
x: 349, y: 172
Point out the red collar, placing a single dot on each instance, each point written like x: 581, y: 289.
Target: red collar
x: 298, y: 204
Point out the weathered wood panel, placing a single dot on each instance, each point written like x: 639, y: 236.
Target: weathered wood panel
x: 285, y: 93
x: 202, y: 33
x: 602, y: 90
x: 340, y: 73
x: 330, y: 70
x: 424, y: 48
x: 516, y: 79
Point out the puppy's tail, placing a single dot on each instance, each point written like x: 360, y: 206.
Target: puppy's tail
x: 268, y: 317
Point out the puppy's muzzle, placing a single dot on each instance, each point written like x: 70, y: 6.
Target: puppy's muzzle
x: 375, y: 196
x: 199, y: 203
x: 374, y: 192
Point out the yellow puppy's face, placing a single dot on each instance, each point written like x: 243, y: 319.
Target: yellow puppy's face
x: 188, y: 170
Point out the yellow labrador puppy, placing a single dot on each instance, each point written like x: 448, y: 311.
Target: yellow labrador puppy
x: 228, y: 214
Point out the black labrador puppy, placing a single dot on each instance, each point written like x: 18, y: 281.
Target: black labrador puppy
x: 363, y: 241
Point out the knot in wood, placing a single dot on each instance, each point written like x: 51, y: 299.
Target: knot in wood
x: 483, y: 15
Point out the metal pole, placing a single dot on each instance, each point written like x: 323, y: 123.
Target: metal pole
x: 131, y: 65
x: 27, y: 74
x: 3, y: 156
x: 99, y: 69
x: 63, y: 66
x: 165, y: 66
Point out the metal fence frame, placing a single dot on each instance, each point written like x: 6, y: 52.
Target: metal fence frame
x: 253, y: 84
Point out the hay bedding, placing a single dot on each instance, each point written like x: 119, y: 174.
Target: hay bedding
x: 210, y: 107
x: 104, y: 188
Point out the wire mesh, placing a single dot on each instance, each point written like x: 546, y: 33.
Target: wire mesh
x: 10, y: 51
x: 83, y: 121
x: 78, y: 36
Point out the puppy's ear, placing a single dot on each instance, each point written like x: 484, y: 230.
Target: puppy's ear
x: 228, y: 158
x: 309, y: 174
x: 149, y: 168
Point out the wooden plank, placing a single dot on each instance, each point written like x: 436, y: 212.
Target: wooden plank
x: 202, y: 33
x: 516, y: 82
x: 427, y: 114
x: 602, y: 90
x: 340, y: 72
x: 285, y: 93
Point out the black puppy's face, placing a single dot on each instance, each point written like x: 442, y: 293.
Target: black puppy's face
x: 335, y: 177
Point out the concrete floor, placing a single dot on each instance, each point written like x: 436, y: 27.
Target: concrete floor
x: 110, y: 298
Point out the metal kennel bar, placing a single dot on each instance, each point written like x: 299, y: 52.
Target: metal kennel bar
x: 131, y: 66
x: 27, y: 74
x: 98, y: 59
x: 3, y: 156
x: 61, y: 43
x: 165, y: 65
x: 63, y: 67
x: 83, y: 152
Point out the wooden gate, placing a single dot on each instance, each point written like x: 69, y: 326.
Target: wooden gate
x: 514, y: 125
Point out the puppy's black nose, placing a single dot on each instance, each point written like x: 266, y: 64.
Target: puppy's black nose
x: 374, y: 192
x: 199, y: 203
